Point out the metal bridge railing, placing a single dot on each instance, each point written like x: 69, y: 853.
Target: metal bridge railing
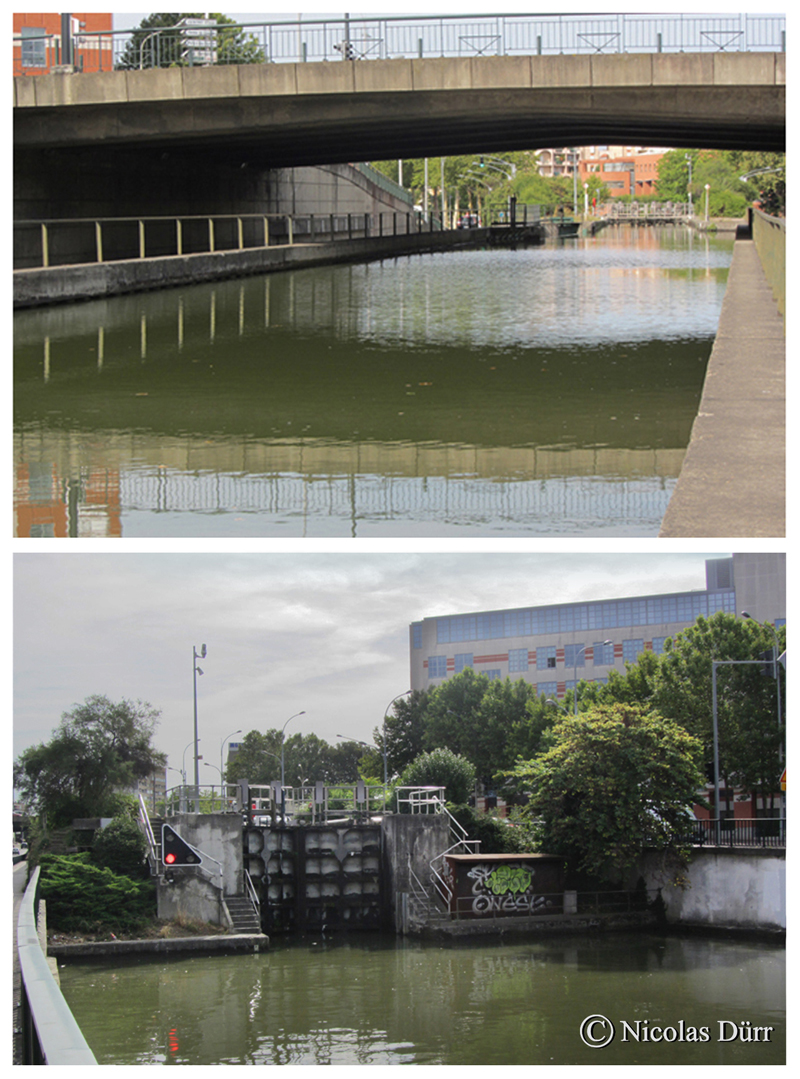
x: 411, y: 36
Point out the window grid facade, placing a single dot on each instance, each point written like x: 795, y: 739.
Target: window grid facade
x: 632, y: 649
x: 611, y: 614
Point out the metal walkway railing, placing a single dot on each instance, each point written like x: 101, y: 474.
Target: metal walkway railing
x: 202, y: 41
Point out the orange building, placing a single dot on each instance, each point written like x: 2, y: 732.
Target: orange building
x: 38, y: 45
x: 629, y: 174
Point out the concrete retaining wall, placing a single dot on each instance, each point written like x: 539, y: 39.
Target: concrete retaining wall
x: 34, y: 288
x: 726, y: 889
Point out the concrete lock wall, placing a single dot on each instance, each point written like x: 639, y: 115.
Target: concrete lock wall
x: 192, y: 893
x: 734, y: 888
x: 410, y: 842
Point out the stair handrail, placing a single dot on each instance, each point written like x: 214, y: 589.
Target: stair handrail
x: 251, y: 893
x: 461, y: 844
x: 147, y: 828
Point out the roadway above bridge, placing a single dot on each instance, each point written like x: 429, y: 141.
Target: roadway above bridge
x: 277, y: 115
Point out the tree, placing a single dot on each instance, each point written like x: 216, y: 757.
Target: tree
x: 404, y: 731
x: 100, y: 749
x: 750, y: 733
x: 442, y: 768
x: 158, y: 41
x: 618, y: 780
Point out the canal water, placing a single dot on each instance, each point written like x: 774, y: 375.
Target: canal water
x: 543, y: 391
x: 383, y: 1000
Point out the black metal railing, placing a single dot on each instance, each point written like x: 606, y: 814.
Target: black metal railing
x: 739, y: 832
x: 200, y: 42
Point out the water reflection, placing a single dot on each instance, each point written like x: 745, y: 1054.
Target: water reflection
x: 377, y: 1000
x: 540, y: 391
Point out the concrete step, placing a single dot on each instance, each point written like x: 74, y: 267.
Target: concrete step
x: 244, y: 917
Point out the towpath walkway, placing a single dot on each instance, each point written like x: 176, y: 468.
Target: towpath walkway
x: 733, y: 479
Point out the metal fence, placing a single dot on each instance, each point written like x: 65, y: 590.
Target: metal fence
x: 202, y: 42
x: 739, y: 832
x: 70, y: 241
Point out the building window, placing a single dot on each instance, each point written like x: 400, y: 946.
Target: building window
x: 416, y: 635
x: 547, y: 689
x: 517, y: 659
x: 574, y: 655
x: 33, y: 43
x: 658, y: 645
x: 493, y: 674
x: 603, y: 654
x: 463, y: 660
x: 437, y: 666
x: 631, y: 650
x: 546, y: 658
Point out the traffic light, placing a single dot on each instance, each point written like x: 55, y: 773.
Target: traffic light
x: 176, y: 851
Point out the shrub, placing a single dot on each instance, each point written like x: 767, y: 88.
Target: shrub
x: 442, y: 768
x: 121, y: 847
x: 85, y: 898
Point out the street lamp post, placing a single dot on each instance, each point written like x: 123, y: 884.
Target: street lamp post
x: 195, y: 671
x: 575, y: 672
x: 383, y: 736
x: 221, y: 750
x: 286, y: 724
x: 183, y: 775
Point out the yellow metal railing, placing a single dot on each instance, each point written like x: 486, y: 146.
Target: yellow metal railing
x: 117, y: 238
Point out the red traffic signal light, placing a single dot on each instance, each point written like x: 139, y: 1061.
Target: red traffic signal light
x: 176, y: 851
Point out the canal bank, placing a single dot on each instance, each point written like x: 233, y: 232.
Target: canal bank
x: 732, y: 482
x: 68, y: 284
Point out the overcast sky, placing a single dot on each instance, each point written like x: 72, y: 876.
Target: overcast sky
x: 322, y: 633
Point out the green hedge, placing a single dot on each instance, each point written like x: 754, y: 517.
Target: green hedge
x: 85, y: 898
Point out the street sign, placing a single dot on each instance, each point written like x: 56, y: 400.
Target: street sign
x: 783, y: 780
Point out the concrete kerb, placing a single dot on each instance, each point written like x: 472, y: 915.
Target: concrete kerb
x: 732, y: 482
x: 232, y: 942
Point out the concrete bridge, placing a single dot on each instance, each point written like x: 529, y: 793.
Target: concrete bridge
x: 290, y: 114
x: 166, y: 139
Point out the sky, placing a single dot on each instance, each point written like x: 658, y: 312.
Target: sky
x: 286, y: 632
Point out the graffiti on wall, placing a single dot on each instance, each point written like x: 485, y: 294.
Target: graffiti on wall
x: 505, y: 888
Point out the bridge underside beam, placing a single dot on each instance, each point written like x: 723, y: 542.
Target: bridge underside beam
x: 279, y: 131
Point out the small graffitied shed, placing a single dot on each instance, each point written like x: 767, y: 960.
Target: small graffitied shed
x: 492, y: 885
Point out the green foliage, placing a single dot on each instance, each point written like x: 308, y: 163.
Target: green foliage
x: 618, y: 780
x: 306, y: 759
x: 442, y: 768
x: 121, y: 847
x: 729, y: 194
x: 99, y: 749
x: 496, y: 836
x: 750, y: 734
x: 82, y: 897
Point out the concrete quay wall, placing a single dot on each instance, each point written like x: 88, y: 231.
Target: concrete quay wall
x: 740, y: 889
x: 67, y: 284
